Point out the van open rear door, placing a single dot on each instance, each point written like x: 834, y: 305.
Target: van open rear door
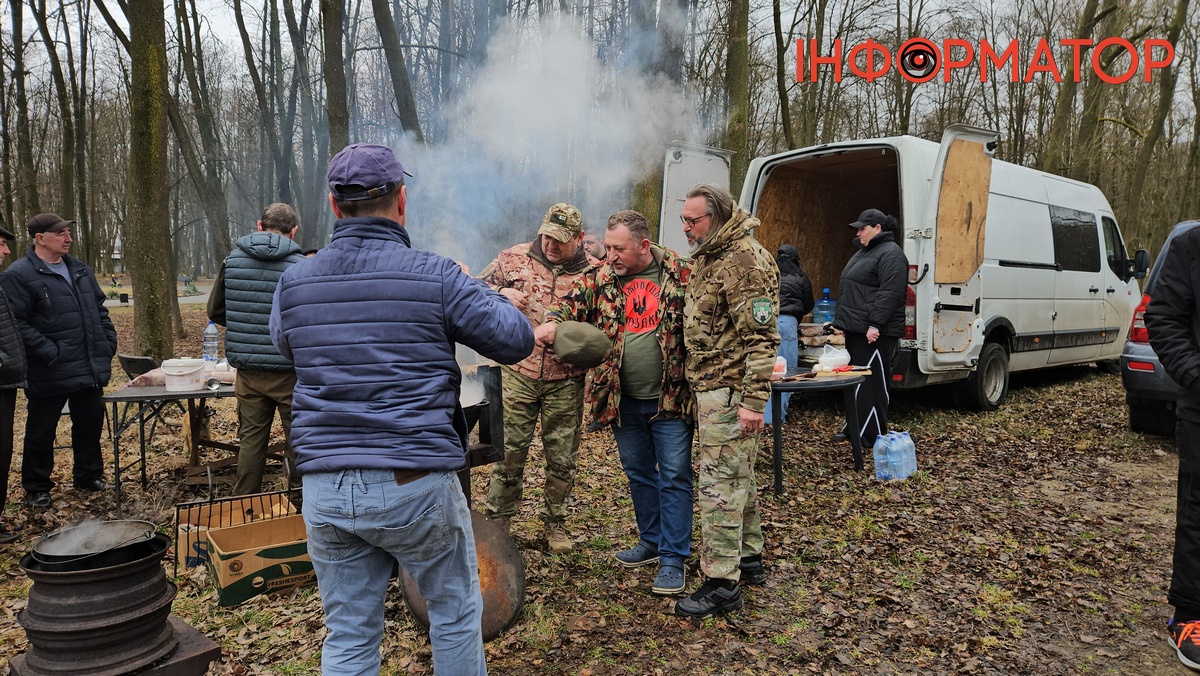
x: 687, y: 165
x: 956, y: 215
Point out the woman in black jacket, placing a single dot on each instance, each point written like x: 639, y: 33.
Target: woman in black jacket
x: 870, y: 312
x: 795, y: 301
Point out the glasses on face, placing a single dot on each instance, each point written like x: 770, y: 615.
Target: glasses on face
x: 692, y: 222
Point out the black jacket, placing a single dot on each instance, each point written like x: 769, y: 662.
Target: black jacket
x: 1173, y: 320
x: 12, y: 349
x: 69, y: 339
x: 873, y: 288
x: 795, y: 291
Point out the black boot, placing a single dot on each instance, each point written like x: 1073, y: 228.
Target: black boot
x: 714, y: 597
x: 752, y: 570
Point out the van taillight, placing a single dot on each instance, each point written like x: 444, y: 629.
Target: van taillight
x: 910, y: 307
x: 1137, y: 329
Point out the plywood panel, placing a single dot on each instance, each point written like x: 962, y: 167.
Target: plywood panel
x: 812, y: 210
x: 962, y: 212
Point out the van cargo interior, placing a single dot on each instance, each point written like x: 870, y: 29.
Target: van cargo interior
x: 810, y: 201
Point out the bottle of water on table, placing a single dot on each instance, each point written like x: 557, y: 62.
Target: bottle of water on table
x: 212, y: 344
x: 824, y: 309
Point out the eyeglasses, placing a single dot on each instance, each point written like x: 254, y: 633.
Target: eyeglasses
x: 692, y: 221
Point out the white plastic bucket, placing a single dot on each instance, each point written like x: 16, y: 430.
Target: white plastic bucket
x: 183, y: 375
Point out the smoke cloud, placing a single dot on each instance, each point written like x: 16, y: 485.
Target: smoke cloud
x: 544, y: 121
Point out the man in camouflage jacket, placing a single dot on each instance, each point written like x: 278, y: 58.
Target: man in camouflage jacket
x: 533, y: 276
x: 640, y: 389
x: 731, y: 336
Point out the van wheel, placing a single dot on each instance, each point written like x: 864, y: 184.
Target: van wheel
x: 1151, y: 417
x: 986, y: 387
x: 1110, y: 366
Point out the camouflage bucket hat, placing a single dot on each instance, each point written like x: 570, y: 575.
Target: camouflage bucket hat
x: 562, y: 222
x: 581, y: 345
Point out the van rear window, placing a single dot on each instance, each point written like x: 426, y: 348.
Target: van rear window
x: 1076, y: 241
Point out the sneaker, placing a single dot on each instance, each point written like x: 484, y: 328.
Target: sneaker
x: 752, y: 570
x: 557, y: 540
x: 714, y: 597
x: 6, y: 536
x: 637, y: 555
x: 1185, y: 636
x: 839, y: 436
x: 670, y: 580
x: 38, y: 499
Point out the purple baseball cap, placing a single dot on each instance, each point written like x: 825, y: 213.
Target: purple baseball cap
x: 364, y: 171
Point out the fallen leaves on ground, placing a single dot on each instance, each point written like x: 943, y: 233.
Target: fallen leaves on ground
x: 1035, y: 539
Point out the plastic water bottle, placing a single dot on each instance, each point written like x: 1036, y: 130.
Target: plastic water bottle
x: 824, y: 309
x: 895, y: 455
x: 212, y: 343
x: 910, y: 454
x: 882, y: 471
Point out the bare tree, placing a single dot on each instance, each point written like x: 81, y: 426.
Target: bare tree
x: 146, y: 234
x: 406, y: 107
x: 27, y: 192
x: 336, y: 105
x: 1166, y: 96
x: 737, y: 92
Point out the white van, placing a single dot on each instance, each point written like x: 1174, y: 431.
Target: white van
x: 1011, y: 269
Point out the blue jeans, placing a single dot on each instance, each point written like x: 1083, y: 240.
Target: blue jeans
x: 789, y: 349
x: 657, y: 457
x: 358, y: 523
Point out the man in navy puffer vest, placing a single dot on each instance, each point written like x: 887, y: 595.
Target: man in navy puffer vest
x: 241, y: 302
x: 69, y: 345
x: 371, y: 325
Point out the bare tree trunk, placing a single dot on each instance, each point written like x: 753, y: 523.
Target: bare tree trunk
x: 6, y: 151
x: 781, y: 84
x: 310, y: 196
x: 1058, y: 139
x: 737, y: 91
x: 335, y: 76
x: 1166, y: 95
x: 281, y: 166
x: 147, y: 227
x: 406, y: 106
x: 206, y: 176
x: 77, y: 76
x: 66, y: 169
x: 26, y: 175
x: 810, y: 92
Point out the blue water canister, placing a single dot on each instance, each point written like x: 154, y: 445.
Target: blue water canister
x: 882, y: 471
x: 824, y: 309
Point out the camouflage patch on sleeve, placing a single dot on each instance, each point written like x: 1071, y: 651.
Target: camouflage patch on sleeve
x: 761, y: 309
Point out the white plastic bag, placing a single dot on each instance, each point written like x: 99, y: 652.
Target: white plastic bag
x: 834, y: 357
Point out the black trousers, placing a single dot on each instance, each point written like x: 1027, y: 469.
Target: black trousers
x: 871, y: 396
x: 8, y: 408
x: 87, y: 423
x: 1185, y: 571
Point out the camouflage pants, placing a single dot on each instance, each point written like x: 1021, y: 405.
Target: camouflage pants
x: 726, y: 492
x: 559, y: 405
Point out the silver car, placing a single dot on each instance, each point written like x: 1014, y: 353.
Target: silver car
x: 1149, y: 391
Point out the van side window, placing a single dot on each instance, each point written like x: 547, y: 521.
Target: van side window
x: 1114, y: 248
x: 1076, y: 245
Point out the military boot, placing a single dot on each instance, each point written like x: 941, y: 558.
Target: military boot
x: 557, y: 540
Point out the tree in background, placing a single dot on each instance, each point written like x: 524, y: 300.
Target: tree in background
x: 147, y: 225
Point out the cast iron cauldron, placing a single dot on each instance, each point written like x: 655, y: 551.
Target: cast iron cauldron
x: 94, y: 545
